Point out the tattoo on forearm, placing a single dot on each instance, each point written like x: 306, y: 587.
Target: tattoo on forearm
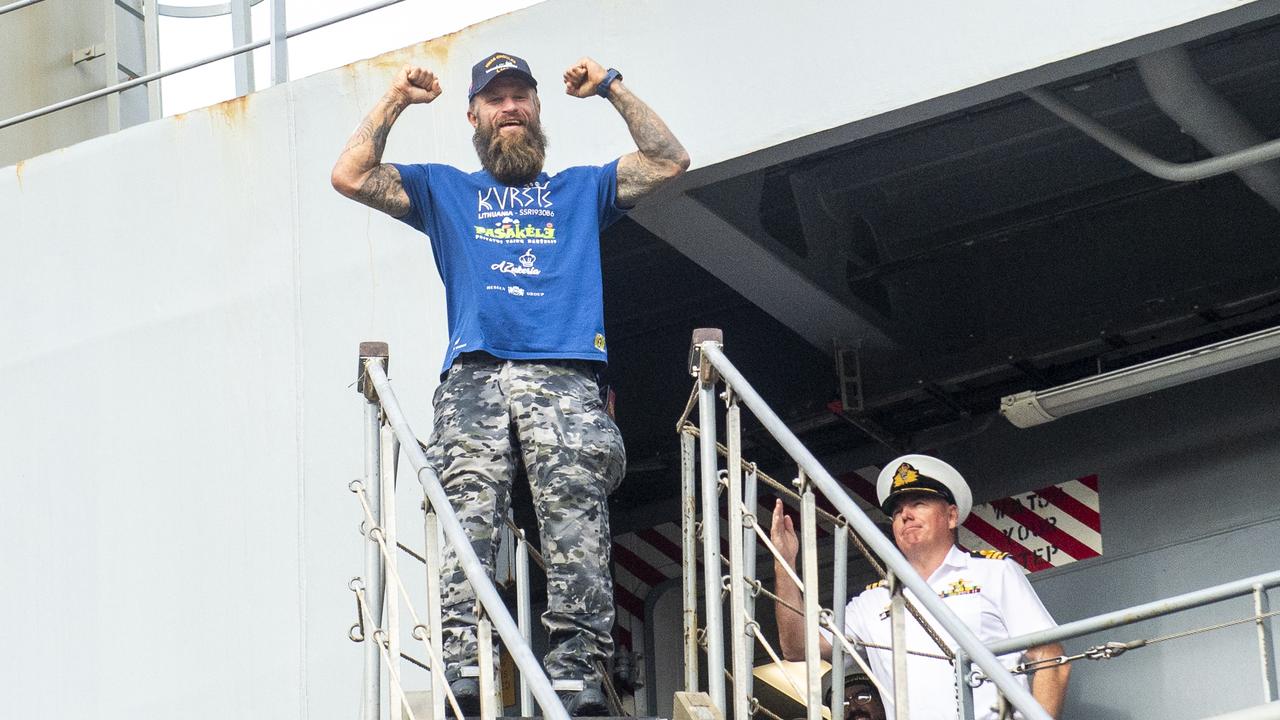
x: 659, y: 150
x: 383, y: 191
x: 652, y: 136
x: 381, y: 188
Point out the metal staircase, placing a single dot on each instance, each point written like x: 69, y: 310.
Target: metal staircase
x: 732, y: 579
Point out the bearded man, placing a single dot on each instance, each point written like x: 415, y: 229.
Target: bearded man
x: 519, y: 253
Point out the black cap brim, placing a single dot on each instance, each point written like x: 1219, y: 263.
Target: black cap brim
x: 512, y: 72
x: 923, y: 486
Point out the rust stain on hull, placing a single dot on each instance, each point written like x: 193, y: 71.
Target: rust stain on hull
x: 437, y: 50
x: 232, y: 111
x: 17, y: 171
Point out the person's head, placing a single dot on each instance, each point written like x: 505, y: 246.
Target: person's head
x: 861, y: 699
x: 926, y: 499
x: 504, y: 109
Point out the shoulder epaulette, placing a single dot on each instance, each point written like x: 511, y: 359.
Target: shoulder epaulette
x: 876, y: 584
x: 989, y: 554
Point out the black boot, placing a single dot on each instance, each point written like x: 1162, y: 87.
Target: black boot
x: 587, y: 702
x: 467, y: 692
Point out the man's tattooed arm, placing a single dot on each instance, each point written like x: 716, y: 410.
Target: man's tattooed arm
x: 659, y: 157
x: 360, y: 173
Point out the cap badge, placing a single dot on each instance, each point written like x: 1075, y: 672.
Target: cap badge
x: 905, y: 475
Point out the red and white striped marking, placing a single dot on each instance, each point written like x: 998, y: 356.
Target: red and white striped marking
x: 1044, y: 528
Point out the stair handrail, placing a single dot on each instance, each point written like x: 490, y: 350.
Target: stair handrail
x: 710, y: 365
x: 377, y: 390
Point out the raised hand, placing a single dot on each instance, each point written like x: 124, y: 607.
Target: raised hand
x: 782, y: 532
x: 582, y: 77
x: 416, y: 85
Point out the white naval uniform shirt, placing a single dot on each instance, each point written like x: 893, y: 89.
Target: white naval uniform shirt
x: 991, y: 596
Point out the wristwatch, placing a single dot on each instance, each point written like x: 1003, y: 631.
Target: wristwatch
x: 603, y: 88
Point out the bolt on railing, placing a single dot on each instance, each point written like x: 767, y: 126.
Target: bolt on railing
x: 709, y: 366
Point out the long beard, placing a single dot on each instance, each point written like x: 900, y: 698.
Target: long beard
x: 514, y: 159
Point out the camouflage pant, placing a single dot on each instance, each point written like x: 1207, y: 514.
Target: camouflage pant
x: 491, y: 414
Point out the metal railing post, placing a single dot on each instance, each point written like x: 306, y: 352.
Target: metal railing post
x: 809, y: 561
x: 484, y: 636
x: 751, y: 505
x: 1262, y: 606
x: 372, y: 354
x: 524, y: 615
x: 739, y: 646
x: 390, y: 448
x: 279, y: 44
x: 431, y: 532
x: 241, y: 34
x: 151, y: 43
x: 689, y: 561
x: 898, y: 635
x: 711, y: 535
x: 111, y: 62
x: 839, y: 596
x: 964, y: 691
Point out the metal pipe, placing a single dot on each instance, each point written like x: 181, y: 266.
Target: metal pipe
x: 1146, y: 611
x: 964, y: 691
x: 152, y: 77
x: 390, y: 447
x: 1262, y: 606
x: 524, y: 614
x: 241, y: 33
x: 151, y: 48
x: 689, y: 562
x: 809, y: 561
x: 431, y: 529
x: 1202, y: 113
x: 475, y: 573
x: 739, y: 646
x: 898, y: 643
x: 839, y: 597
x: 372, y: 688
x: 110, y: 61
x: 750, y: 505
x: 1176, y: 172
x: 872, y: 536
x: 484, y: 637
x: 711, y: 544
x: 279, y: 44
x: 18, y: 5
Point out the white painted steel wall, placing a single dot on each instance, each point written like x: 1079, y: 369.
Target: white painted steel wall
x: 182, y: 303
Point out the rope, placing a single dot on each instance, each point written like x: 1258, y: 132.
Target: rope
x: 852, y: 652
x: 386, y: 656
x: 838, y: 524
x: 375, y: 533
x: 688, y: 408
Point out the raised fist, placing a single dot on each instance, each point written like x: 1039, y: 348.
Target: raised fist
x: 416, y: 85
x: 582, y: 78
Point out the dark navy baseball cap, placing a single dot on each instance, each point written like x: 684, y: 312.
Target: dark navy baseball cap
x: 483, y: 72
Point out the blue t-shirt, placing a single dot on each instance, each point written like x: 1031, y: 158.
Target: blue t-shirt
x: 520, y: 265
